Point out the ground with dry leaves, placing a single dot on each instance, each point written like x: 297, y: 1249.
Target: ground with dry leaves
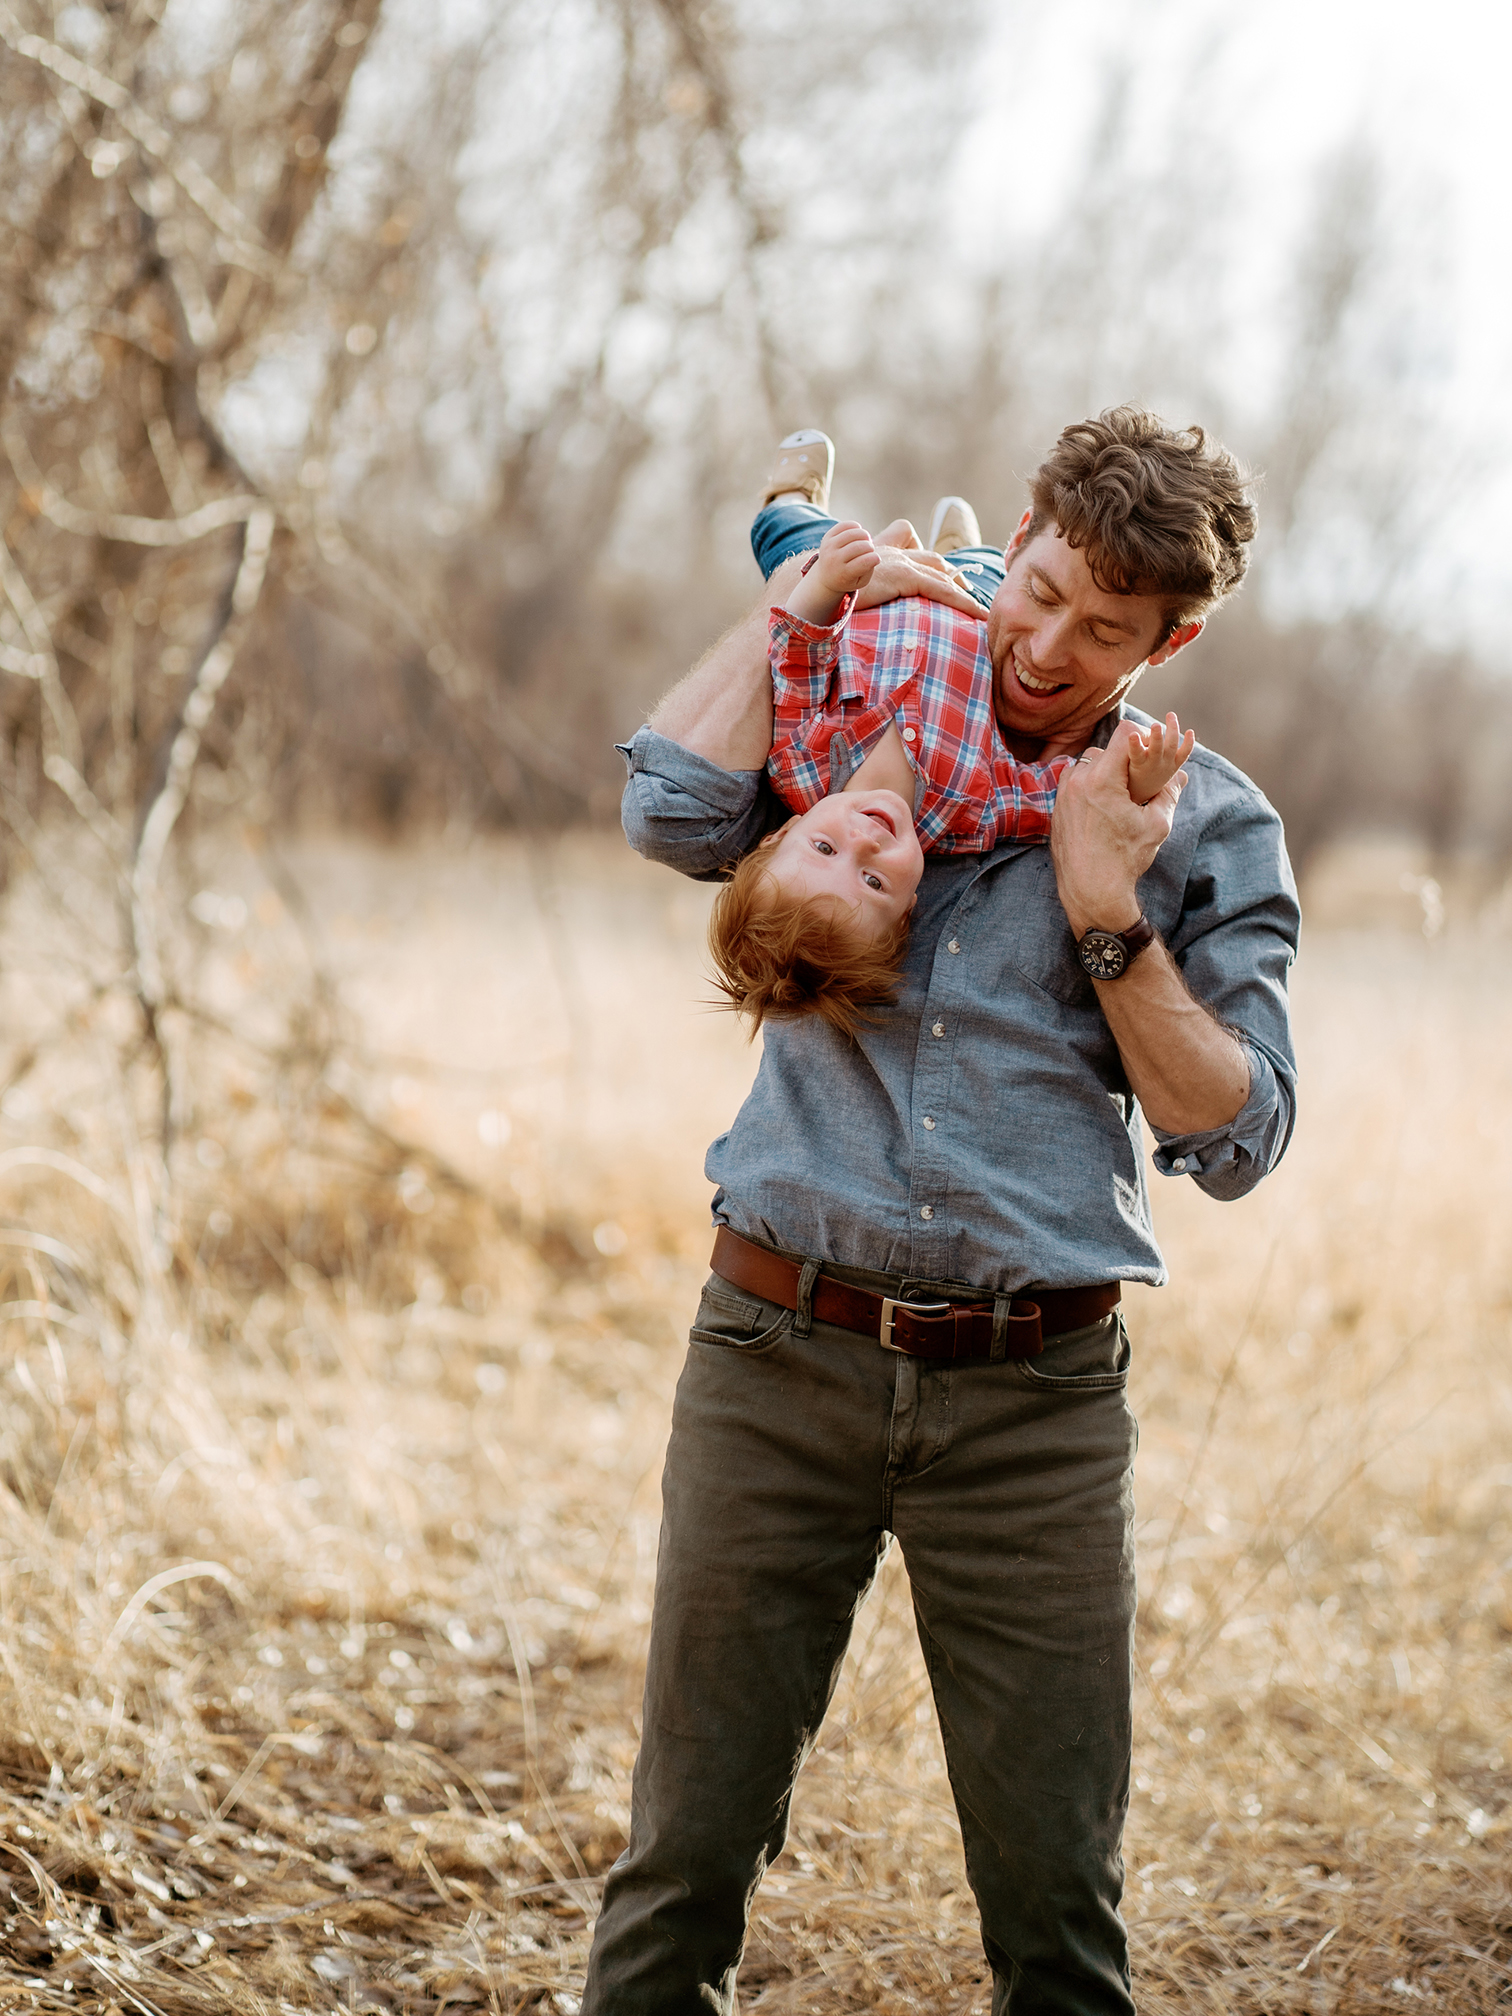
x: 328, y: 1501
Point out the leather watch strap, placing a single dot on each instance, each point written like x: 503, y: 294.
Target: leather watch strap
x: 1108, y: 955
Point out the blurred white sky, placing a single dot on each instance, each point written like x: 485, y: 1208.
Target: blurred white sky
x: 1279, y: 86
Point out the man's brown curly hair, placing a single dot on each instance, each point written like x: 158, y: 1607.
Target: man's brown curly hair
x: 782, y: 956
x: 1159, y: 511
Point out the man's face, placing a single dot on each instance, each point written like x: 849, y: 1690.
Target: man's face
x: 1064, y: 651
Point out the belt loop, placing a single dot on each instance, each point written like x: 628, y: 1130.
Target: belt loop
x: 1002, y: 1306
x: 804, y: 1304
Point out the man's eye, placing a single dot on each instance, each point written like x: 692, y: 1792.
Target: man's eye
x: 824, y: 847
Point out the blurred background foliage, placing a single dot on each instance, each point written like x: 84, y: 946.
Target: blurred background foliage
x: 386, y: 384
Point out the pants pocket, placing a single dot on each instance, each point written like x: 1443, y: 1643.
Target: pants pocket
x: 731, y: 1321
x: 1094, y: 1360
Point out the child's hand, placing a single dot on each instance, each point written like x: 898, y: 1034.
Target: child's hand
x: 1156, y: 757
x: 847, y: 559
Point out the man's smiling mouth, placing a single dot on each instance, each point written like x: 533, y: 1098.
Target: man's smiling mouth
x: 1031, y: 683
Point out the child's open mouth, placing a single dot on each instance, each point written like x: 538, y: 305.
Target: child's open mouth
x: 873, y: 812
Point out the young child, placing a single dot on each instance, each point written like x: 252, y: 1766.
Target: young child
x: 880, y: 766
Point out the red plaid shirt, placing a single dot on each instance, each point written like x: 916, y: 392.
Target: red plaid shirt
x: 926, y: 667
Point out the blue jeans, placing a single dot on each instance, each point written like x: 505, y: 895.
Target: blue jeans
x: 787, y: 527
x: 797, y: 1449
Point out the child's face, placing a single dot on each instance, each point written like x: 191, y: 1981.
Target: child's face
x: 858, y: 846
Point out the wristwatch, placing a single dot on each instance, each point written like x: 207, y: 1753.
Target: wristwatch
x: 1108, y: 955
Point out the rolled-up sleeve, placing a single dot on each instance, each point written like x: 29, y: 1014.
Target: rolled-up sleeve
x: 685, y: 812
x: 1227, y: 1162
x: 1235, y: 943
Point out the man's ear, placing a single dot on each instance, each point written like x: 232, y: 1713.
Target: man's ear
x: 1177, y: 641
x: 1022, y: 531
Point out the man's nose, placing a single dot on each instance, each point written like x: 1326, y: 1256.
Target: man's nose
x: 1052, y: 640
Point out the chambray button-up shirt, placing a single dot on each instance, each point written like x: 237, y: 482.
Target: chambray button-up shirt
x: 981, y: 1132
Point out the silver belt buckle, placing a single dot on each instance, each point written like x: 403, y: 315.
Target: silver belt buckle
x: 889, y: 1305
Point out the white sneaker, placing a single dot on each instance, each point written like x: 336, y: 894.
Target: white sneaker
x: 953, y: 526
x: 803, y: 464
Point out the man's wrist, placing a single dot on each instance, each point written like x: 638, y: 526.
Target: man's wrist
x: 1108, y: 955
x: 1113, y: 910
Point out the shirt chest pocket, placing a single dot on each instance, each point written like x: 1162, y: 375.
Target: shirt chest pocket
x: 1043, y: 949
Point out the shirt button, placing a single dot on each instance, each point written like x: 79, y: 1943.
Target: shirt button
x: 1179, y: 1163
x: 926, y: 1210
x: 929, y: 1122
x: 938, y: 1029
x: 908, y: 735
x: 954, y: 945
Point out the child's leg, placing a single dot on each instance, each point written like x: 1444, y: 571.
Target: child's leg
x: 956, y: 536
x: 794, y: 514
x: 786, y: 526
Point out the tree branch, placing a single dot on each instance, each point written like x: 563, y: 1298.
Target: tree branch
x: 129, y: 530
x: 241, y: 246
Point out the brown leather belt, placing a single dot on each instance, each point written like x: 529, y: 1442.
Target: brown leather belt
x: 918, y: 1329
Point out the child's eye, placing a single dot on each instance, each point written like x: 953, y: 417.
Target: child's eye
x: 872, y: 881
x: 824, y: 847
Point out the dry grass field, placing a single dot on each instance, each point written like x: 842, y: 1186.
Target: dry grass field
x: 328, y: 1488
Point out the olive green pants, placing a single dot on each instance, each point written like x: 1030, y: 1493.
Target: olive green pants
x: 1008, y: 1487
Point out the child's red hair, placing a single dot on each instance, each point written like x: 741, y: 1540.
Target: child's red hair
x: 781, y: 956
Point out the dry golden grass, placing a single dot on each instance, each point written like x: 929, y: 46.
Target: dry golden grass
x: 328, y: 1502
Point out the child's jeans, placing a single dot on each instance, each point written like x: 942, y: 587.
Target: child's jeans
x: 788, y: 527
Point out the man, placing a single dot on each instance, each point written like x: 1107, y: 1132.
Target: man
x: 976, y: 1150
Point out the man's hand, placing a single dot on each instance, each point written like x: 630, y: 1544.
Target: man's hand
x: 1187, y: 1071
x: 1102, y: 842
x: 904, y: 567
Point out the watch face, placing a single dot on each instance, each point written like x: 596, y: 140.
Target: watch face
x: 1102, y: 954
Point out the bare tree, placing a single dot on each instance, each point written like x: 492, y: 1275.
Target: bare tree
x: 357, y: 361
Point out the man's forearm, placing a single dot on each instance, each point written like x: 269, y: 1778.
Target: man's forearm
x: 723, y: 709
x: 1187, y: 1071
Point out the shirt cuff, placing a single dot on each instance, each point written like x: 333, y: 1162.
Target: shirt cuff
x: 1233, y: 1157
x: 783, y: 624
x: 653, y: 755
